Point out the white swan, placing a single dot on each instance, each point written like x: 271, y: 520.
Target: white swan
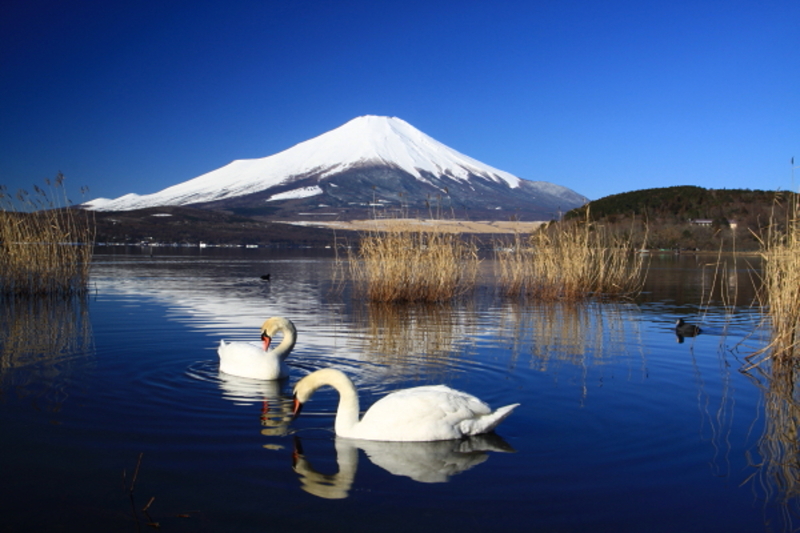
x: 413, y: 415
x: 251, y: 361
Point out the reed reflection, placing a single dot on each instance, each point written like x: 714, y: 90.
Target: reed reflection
x: 582, y: 334
x: 39, y: 337
x: 727, y: 280
x: 424, y: 462
x: 421, y: 337
x: 777, y: 475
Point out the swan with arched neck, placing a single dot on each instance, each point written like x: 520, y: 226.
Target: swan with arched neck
x: 419, y: 414
x: 259, y: 362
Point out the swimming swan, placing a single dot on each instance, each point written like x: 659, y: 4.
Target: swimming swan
x: 419, y: 414
x: 250, y: 361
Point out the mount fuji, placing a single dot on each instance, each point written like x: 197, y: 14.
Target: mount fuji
x: 369, y: 164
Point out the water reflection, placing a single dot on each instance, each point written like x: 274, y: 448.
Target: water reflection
x: 397, y: 340
x: 276, y: 410
x: 246, y: 391
x: 227, y: 299
x: 777, y: 473
x: 40, y: 338
x: 424, y: 462
x: 581, y: 334
x: 420, y: 341
x: 415, y: 339
x: 42, y: 329
x: 680, y: 339
x: 725, y: 278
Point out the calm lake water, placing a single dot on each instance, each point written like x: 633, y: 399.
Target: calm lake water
x: 109, y: 403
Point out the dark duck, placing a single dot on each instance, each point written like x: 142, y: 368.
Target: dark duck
x: 684, y: 329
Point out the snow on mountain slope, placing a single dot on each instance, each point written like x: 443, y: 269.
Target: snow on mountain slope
x: 368, y: 139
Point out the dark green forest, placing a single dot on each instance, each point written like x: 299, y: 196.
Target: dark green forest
x: 688, y: 217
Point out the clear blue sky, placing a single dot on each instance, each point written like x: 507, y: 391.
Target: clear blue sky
x: 599, y: 96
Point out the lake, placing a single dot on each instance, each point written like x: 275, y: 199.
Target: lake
x: 114, y: 404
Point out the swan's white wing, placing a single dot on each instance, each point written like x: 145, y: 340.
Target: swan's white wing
x: 426, y: 414
x: 249, y: 361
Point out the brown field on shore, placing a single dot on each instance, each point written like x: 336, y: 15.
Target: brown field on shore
x: 445, y: 226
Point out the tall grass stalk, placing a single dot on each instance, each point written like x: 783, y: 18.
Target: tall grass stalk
x: 572, y: 261
x: 404, y: 265
x: 45, y: 246
x: 780, y: 288
x: 778, y: 471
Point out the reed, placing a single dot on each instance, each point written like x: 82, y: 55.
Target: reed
x: 780, y: 283
x: 45, y: 245
x: 778, y: 471
x: 413, y: 265
x: 572, y: 261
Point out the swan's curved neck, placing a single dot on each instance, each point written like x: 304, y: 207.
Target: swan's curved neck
x: 287, y: 344
x: 348, y: 410
x: 280, y: 324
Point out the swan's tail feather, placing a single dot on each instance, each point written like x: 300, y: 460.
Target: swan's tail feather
x: 486, y: 442
x: 487, y: 423
x: 501, y: 414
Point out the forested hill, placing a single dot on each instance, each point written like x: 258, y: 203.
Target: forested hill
x: 688, y: 216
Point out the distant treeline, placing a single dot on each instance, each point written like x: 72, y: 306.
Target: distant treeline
x: 688, y: 217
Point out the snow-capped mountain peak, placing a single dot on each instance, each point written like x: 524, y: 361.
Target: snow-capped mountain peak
x: 396, y: 142
x: 314, y: 167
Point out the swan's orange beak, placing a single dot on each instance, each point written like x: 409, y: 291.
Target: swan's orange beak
x: 266, y: 339
x: 298, y: 406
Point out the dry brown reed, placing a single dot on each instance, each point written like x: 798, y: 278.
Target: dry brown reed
x: 45, y: 245
x: 779, y: 297
x: 413, y: 265
x: 572, y: 261
x: 778, y: 470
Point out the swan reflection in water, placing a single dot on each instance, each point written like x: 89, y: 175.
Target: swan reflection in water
x: 276, y: 410
x: 425, y: 462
